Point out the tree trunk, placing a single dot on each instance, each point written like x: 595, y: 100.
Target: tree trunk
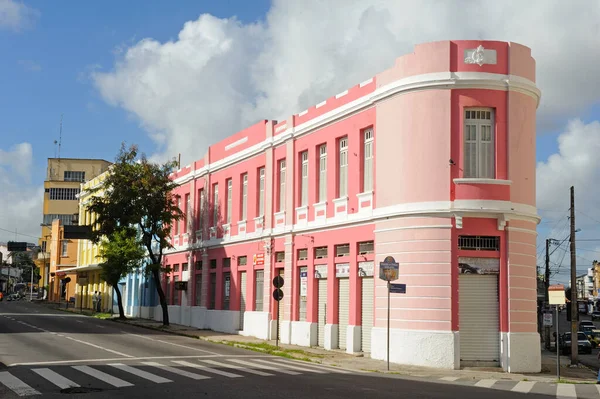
x: 161, y: 296
x: 119, y: 302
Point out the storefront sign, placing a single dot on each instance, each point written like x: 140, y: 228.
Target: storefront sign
x: 320, y: 271
x: 342, y: 270
x: 259, y: 259
x: 227, y: 286
x: 468, y: 265
x: 303, y: 282
x: 366, y: 269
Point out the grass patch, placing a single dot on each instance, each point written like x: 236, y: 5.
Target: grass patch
x: 563, y: 381
x: 103, y: 316
x: 262, y: 347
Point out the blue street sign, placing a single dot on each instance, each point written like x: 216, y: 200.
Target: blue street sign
x: 398, y: 288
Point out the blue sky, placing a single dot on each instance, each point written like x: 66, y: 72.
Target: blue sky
x: 175, y: 79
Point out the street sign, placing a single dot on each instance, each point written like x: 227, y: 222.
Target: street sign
x: 547, y: 319
x: 277, y: 294
x: 556, y: 294
x: 398, y: 288
x: 388, y: 269
x: 278, y: 281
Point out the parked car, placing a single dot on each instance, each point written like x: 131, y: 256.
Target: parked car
x: 595, y: 315
x: 586, y: 323
x: 583, y: 344
x: 594, y: 338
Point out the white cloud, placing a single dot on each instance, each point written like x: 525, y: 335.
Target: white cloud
x: 220, y: 75
x: 15, y: 15
x: 20, y: 202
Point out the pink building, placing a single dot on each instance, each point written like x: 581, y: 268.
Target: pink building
x: 432, y: 162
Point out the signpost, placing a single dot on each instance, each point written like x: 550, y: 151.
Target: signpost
x: 388, y: 271
x: 556, y: 297
x: 278, y: 296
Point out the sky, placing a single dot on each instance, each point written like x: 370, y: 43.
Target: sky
x: 176, y: 79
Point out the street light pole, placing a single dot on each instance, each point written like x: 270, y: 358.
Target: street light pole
x: 574, y: 307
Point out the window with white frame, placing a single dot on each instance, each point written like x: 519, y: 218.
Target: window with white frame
x: 64, y: 248
x: 304, y: 179
x: 187, y: 213
x: 323, y: 173
x: 261, y: 191
x: 244, y: 196
x: 215, y: 204
x: 343, y: 171
x: 368, y: 160
x: 479, y: 144
x: 229, y: 199
x: 177, y: 221
x: 281, y: 185
x: 201, y: 201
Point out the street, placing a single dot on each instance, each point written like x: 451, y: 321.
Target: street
x: 48, y: 353
x: 564, y: 326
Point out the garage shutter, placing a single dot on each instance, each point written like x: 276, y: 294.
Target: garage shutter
x: 242, y: 299
x: 343, y: 311
x: 368, y: 291
x: 478, y: 319
x: 322, y: 312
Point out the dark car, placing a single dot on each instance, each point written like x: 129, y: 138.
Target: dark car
x: 595, y: 315
x: 583, y: 344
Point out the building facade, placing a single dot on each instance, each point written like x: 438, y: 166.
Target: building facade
x: 136, y: 289
x: 61, y: 187
x: 431, y: 162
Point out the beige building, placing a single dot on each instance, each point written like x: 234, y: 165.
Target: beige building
x: 61, y: 190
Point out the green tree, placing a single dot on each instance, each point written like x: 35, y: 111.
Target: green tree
x: 24, y: 261
x: 138, y: 193
x: 121, y: 254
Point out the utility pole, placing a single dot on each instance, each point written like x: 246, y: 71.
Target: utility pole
x: 574, y: 307
x: 546, y: 298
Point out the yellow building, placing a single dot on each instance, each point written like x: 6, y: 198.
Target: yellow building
x: 61, y: 188
x: 596, y: 271
x: 88, y: 268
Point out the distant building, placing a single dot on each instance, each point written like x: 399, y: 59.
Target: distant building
x: 61, y: 188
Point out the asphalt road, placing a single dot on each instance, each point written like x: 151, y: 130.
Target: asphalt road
x: 590, y: 360
x: 50, y: 354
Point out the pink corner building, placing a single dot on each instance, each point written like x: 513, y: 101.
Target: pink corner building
x: 431, y: 162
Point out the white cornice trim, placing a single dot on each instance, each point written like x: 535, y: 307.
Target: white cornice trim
x: 429, y: 81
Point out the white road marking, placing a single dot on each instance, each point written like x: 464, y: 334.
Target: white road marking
x: 98, y: 347
x: 450, y: 379
x: 235, y: 367
x: 330, y: 369
x: 177, y: 371
x: 523, y: 386
x: 140, y: 373
x: 16, y: 385
x: 485, y: 383
x: 99, y: 326
x: 565, y: 391
x: 120, y: 359
x: 170, y: 343
x: 102, y: 376
x: 205, y: 368
x: 55, y: 378
x: 294, y: 367
x: 79, y: 321
x: 263, y: 366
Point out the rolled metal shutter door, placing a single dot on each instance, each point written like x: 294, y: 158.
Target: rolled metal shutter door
x: 479, y: 319
x: 242, y: 299
x: 343, y: 311
x: 322, y: 312
x: 368, y: 291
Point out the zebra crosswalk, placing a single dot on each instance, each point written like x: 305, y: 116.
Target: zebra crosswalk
x: 35, y: 381
x: 561, y: 390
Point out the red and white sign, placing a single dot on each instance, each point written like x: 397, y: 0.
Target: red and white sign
x: 259, y: 259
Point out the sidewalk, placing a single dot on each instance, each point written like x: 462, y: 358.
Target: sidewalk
x: 339, y: 358
x: 358, y: 362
